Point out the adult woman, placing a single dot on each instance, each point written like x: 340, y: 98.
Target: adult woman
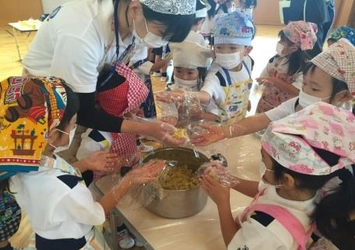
x: 80, y: 37
x: 39, y: 121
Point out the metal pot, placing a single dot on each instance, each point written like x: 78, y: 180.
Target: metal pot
x: 175, y: 203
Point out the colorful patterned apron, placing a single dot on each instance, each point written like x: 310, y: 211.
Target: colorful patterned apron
x: 237, y: 96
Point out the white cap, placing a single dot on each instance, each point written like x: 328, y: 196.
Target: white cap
x: 190, y: 54
x: 172, y: 7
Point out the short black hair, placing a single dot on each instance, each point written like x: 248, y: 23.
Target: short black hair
x: 177, y: 26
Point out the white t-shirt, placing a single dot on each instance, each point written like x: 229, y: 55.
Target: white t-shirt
x: 212, y: 85
x: 55, y: 209
x: 90, y: 143
x: 74, y: 43
x: 283, y: 110
x: 253, y: 235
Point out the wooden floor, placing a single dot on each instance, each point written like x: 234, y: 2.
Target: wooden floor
x: 264, y: 47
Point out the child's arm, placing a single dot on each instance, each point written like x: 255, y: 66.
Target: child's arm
x: 279, y: 83
x: 245, y: 126
x: 246, y: 187
x: 220, y: 195
x: 138, y: 175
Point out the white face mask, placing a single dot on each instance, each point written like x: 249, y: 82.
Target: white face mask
x: 228, y: 61
x: 71, y: 137
x: 306, y: 100
x: 185, y: 83
x: 279, y: 49
x: 263, y: 183
x: 150, y: 40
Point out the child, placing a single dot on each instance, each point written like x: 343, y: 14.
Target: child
x: 246, y: 6
x: 282, y: 77
x: 227, y: 85
x: 39, y: 116
x: 342, y: 32
x: 207, y: 25
x: 189, y: 74
x: 122, y: 100
x: 200, y: 17
x: 330, y: 77
x: 300, y: 153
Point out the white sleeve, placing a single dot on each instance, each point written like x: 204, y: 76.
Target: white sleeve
x: 76, y: 60
x: 283, y: 110
x: 298, y: 80
x: 79, y: 205
x: 212, y: 86
x: 252, y: 235
x: 146, y: 67
x: 88, y: 146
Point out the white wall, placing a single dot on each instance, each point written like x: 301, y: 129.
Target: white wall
x: 49, y: 5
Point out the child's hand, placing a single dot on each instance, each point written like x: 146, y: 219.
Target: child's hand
x: 213, y: 134
x: 146, y: 173
x: 264, y: 81
x: 102, y: 161
x: 171, y: 96
x: 170, y: 120
x: 218, y: 193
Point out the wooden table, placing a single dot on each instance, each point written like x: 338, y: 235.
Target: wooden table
x: 201, y: 231
x: 26, y: 26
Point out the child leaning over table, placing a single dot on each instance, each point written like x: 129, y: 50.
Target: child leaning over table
x: 300, y: 153
x: 227, y: 85
x: 122, y: 99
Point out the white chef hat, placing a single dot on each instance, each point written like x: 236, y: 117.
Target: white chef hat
x: 190, y: 54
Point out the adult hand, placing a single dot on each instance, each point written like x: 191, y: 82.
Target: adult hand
x: 102, y: 161
x: 218, y: 193
x: 213, y: 134
x: 146, y: 173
